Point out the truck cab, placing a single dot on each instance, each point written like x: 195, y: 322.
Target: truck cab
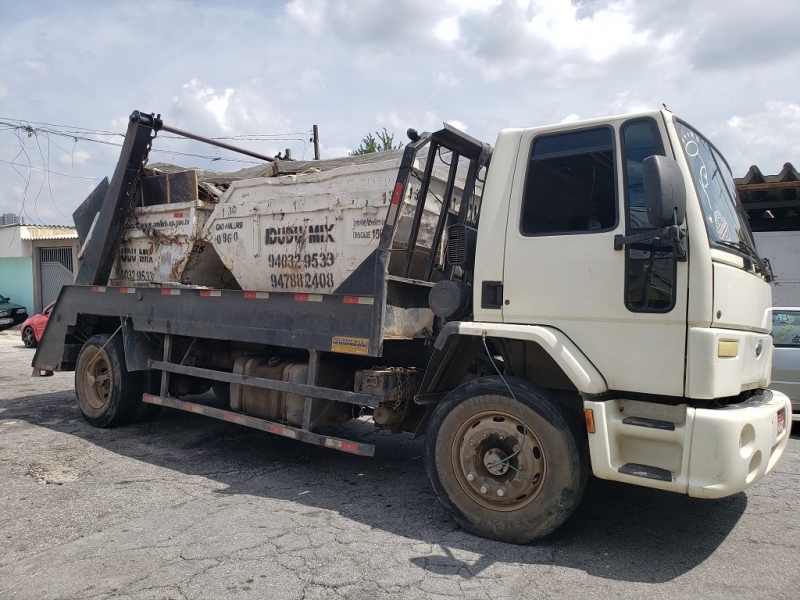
x: 668, y: 343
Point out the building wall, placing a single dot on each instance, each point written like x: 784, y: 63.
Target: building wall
x: 11, y: 244
x: 782, y: 248
x: 16, y: 281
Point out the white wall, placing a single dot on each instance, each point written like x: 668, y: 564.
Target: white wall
x: 11, y: 246
x: 782, y: 248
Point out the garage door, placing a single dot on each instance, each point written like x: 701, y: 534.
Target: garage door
x: 56, y: 272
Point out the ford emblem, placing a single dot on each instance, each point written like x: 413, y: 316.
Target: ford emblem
x: 759, y: 348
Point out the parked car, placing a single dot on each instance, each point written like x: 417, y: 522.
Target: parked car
x: 33, y: 328
x: 786, y: 356
x: 11, y: 314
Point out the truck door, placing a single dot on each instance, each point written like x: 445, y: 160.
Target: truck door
x: 573, y: 191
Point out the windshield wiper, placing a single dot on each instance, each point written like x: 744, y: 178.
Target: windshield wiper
x: 752, y: 254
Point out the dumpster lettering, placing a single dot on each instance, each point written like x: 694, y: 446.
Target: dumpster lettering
x: 301, y: 261
x: 311, y: 281
x: 229, y: 225
x: 299, y: 234
x: 227, y: 238
x: 133, y: 275
x: 132, y: 255
x: 367, y: 228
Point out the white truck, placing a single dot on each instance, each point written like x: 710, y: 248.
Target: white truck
x: 580, y: 298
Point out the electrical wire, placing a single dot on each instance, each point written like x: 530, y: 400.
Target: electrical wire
x: 32, y: 129
x: 505, y: 460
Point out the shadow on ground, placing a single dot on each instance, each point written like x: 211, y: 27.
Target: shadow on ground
x: 619, y: 532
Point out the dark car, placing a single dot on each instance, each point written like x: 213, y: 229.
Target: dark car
x: 11, y: 314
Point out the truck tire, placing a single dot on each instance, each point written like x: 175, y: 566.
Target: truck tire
x: 151, y: 384
x: 544, y: 464
x: 108, y: 395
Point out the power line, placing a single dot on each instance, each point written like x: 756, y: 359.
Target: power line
x: 35, y: 168
x: 23, y: 130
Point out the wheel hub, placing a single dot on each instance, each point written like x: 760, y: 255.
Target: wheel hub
x: 98, y: 382
x: 498, y: 461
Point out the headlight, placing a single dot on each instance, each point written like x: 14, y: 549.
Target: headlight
x: 5, y: 313
x: 22, y: 311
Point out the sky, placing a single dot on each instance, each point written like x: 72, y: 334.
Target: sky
x: 261, y: 74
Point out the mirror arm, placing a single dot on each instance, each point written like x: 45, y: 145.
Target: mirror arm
x: 673, y: 233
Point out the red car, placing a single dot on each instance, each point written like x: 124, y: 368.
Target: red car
x: 33, y: 328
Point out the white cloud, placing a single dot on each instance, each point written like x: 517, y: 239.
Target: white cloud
x: 333, y: 151
x: 479, y: 6
x: 624, y: 102
x: 239, y: 110
x: 35, y: 65
x: 447, y: 30
x: 309, y: 14
x: 421, y: 121
x: 570, y: 118
x: 355, y: 67
x: 372, y: 60
x: 445, y: 80
x: 603, y: 34
x: 77, y: 158
x: 767, y: 138
x: 458, y: 124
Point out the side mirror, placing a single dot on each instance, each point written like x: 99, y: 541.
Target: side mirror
x: 664, y: 191
x: 665, y: 199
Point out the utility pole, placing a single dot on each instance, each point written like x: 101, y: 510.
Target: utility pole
x: 316, y: 143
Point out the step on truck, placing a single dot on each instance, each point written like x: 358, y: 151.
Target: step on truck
x: 580, y: 298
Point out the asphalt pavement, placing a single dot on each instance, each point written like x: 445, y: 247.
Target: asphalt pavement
x: 191, y: 507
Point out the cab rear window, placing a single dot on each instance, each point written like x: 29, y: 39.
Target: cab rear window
x: 786, y: 328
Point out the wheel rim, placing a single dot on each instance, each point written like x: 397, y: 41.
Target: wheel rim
x: 98, y: 382
x: 498, y: 461
x: 29, y: 337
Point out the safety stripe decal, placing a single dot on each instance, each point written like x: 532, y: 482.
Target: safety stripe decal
x: 308, y: 297
x: 358, y: 300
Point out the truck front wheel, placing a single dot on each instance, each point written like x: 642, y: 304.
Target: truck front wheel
x: 506, y: 469
x: 108, y: 394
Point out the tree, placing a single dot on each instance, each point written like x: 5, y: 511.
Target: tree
x: 383, y: 142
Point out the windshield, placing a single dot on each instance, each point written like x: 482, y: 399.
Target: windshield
x: 725, y: 218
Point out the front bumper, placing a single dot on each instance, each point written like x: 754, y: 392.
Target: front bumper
x: 13, y: 319
x: 703, y: 452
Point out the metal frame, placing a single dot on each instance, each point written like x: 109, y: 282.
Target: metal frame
x: 264, y: 425
x: 103, y: 238
x: 278, y: 319
x: 312, y: 322
x: 460, y: 145
x: 306, y: 389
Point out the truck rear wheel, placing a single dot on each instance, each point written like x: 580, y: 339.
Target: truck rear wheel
x: 511, y: 470
x: 108, y: 394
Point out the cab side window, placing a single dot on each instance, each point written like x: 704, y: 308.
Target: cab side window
x: 650, y: 266
x: 570, y: 184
